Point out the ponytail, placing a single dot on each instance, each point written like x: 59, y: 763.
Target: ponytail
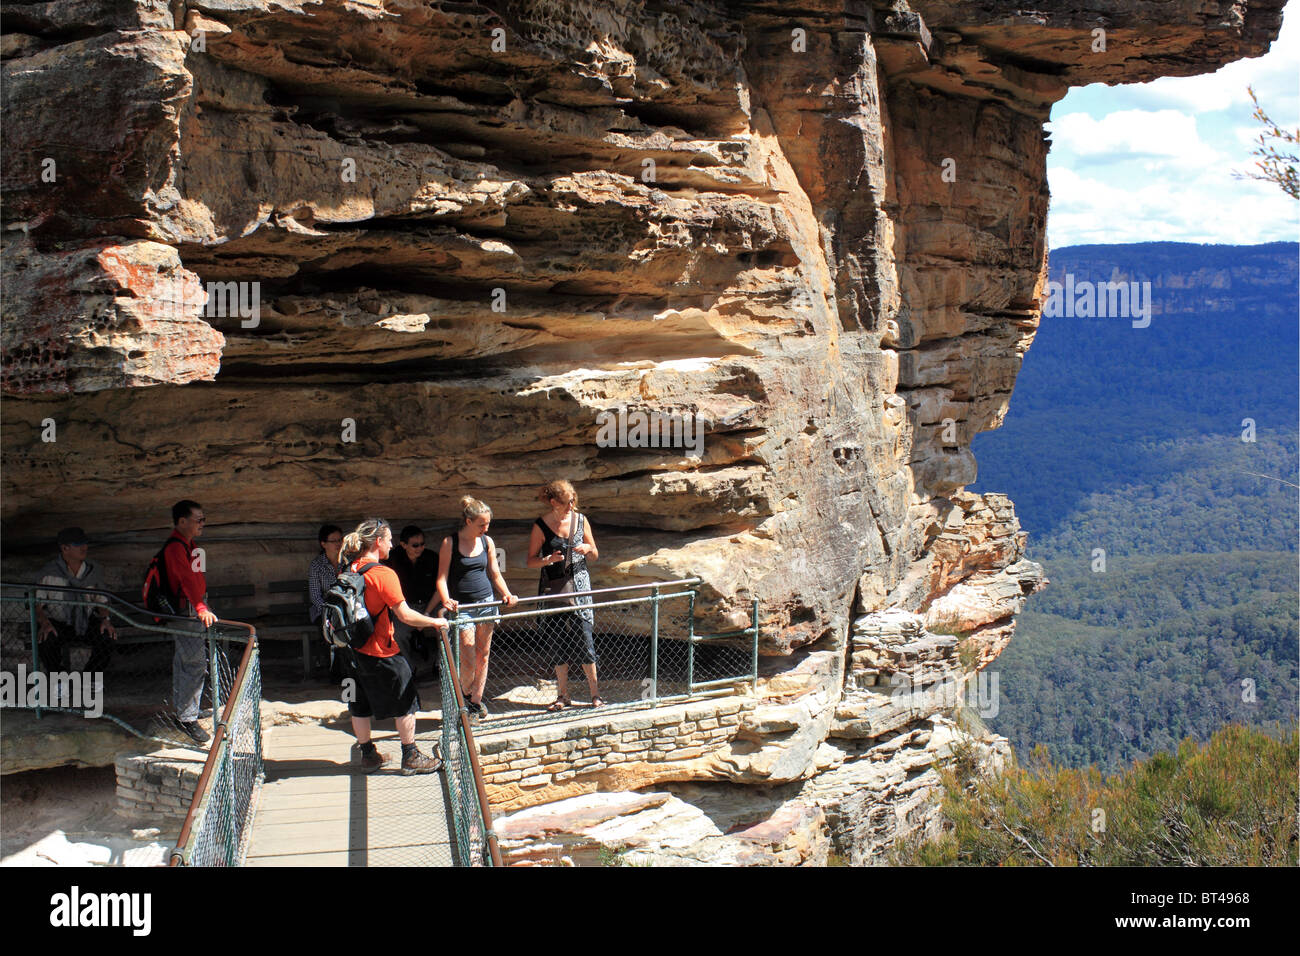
x: 363, y: 539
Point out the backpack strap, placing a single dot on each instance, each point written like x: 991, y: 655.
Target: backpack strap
x: 173, y: 594
x: 362, y: 571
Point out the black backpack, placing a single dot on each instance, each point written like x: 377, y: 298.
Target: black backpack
x: 345, y: 622
x: 157, y: 593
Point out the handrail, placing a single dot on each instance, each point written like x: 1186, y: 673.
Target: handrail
x: 567, y: 609
x: 219, y: 742
x: 114, y: 599
x: 569, y: 594
x: 476, y: 770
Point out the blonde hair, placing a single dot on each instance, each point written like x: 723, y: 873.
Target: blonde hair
x: 362, y: 539
x: 472, y: 508
x: 561, y: 491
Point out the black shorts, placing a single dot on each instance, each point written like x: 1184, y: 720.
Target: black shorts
x: 385, y: 687
x: 570, y: 640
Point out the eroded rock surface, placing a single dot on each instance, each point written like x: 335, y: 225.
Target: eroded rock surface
x: 473, y: 228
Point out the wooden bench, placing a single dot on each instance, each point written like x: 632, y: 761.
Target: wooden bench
x: 280, y: 610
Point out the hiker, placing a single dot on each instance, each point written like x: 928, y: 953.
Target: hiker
x: 186, y: 587
x: 417, y: 570
x: 322, y: 571
x: 385, y: 686
x: 59, y: 624
x: 467, y: 574
x: 562, y: 544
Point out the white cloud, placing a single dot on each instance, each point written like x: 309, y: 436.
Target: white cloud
x: 1210, y: 208
x: 1129, y: 134
x: 1246, y: 135
x: 1155, y: 161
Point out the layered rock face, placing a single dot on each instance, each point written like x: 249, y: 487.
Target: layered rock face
x: 370, y: 256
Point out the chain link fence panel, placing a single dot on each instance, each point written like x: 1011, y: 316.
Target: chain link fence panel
x: 627, y: 651
x: 221, y: 819
x: 132, y: 674
x: 469, y: 834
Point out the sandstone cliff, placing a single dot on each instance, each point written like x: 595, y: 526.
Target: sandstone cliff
x: 476, y: 226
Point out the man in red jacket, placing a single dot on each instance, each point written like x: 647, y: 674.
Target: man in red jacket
x: 189, y: 587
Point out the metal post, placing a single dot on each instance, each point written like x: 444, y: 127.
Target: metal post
x: 455, y: 645
x: 257, y: 721
x: 690, y: 646
x: 212, y: 675
x: 754, y: 666
x: 36, y: 655
x: 654, y: 643
x: 230, y: 800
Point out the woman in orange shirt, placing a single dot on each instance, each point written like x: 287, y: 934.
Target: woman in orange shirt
x: 385, y: 686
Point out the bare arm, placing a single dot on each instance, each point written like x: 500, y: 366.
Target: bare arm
x: 535, y: 558
x: 406, y: 615
x: 444, y: 562
x: 588, y: 546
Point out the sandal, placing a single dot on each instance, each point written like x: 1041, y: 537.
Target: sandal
x: 597, y: 701
x: 560, y: 704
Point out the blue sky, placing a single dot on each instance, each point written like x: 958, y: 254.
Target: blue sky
x: 1154, y: 161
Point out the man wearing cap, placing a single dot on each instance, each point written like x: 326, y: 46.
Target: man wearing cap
x: 59, y: 624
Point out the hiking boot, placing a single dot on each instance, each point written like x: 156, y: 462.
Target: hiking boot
x: 370, y: 762
x: 420, y: 763
x: 195, y: 732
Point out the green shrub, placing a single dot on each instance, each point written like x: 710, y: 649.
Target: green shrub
x: 1228, y: 802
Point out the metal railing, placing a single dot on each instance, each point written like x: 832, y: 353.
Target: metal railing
x: 134, y: 674
x: 474, y: 841
x: 645, y: 648
x: 219, y: 823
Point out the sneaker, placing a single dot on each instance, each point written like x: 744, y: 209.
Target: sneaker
x: 420, y: 763
x: 370, y: 762
x: 195, y: 732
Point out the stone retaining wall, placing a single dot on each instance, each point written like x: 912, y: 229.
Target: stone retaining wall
x: 523, y: 767
x: 161, y: 783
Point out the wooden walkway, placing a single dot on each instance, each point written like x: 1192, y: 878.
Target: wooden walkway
x: 316, y: 809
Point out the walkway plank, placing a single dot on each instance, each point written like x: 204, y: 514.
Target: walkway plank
x: 317, y: 809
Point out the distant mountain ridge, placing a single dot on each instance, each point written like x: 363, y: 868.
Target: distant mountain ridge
x: 1187, y: 278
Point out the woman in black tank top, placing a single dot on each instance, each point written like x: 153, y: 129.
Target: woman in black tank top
x: 467, y: 573
x: 562, y: 545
